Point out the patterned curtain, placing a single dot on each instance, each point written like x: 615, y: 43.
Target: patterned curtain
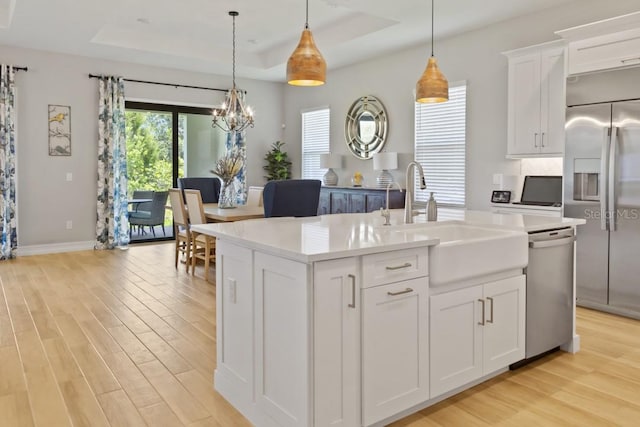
x: 8, y: 209
x: 112, y: 225
x: 236, y: 139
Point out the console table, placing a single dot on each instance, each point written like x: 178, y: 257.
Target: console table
x: 357, y: 199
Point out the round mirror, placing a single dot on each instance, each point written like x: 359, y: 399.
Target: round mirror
x: 365, y: 127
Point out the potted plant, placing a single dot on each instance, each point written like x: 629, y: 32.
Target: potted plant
x: 278, y: 164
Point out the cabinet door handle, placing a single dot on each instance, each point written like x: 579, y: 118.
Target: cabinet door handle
x: 353, y: 290
x: 406, y: 291
x: 481, y: 302
x: 535, y: 140
x: 624, y: 61
x: 490, y: 310
x: 542, y: 140
x: 398, y: 267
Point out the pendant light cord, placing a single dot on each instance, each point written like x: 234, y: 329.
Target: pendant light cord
x: 306, y: 17
x: 234, y: 52
x: 431, y: 28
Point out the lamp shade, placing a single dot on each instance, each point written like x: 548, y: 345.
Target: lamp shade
x: 330, y: 161
x: 306, y: 66
x: 432, y: 86
x: 385, y: 161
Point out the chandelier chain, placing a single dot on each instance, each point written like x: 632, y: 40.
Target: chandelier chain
x: 234, y: 52
x: 306, y: 16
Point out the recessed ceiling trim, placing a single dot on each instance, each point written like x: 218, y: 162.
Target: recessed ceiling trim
x: 6, y: 12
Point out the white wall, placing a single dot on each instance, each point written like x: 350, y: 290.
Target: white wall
x: 475, y: 57
x: 45, y: 199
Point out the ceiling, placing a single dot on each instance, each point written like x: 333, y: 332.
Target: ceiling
x: 196, y: 34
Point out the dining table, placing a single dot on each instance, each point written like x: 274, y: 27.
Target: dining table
x: 237, y: 213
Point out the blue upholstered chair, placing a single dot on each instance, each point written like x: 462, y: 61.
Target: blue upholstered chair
x: 294, y: 197
x: 209, y: 187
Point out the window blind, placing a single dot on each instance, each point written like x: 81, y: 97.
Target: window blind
x: 440, y: 140
x: 315, y: 141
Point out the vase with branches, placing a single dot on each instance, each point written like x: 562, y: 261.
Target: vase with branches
x: 227, y: 168
x: 278, y: 164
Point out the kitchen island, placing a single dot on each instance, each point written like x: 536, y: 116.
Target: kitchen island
x: 340, y: 320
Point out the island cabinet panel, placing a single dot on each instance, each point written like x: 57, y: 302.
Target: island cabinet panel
x: 395, y: 348
x: 234, y: 329
x: 456, y: 339
x: 504, y: 332
x: 476, y: 331
x: 282, y: 344
x: 357, y: 200
x: 336, y: 326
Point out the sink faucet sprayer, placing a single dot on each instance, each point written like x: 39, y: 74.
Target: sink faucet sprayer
x: 385, y: 212
x: 409, y: 213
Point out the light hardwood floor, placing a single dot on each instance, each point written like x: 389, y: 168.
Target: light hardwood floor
x: 121, y: 338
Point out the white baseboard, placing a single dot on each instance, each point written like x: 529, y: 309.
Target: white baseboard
x: 55, y: 248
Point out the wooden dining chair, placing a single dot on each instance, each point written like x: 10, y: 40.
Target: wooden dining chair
x: 181, y: 229
x: 254, y: 196
x: 203, y: 246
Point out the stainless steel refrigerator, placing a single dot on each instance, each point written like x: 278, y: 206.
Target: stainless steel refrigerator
x: 602, y: 185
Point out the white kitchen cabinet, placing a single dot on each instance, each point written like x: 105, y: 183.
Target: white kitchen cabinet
x: 282, y: 329
x: 234, y: 328
x: 395, y: 348
x: 536, y: 101
x: 603, y: 45
x: 336, y: 371
x: 475, y: 331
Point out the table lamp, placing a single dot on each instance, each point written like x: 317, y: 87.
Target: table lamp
x: 383, y: 162
x: 330, y: 161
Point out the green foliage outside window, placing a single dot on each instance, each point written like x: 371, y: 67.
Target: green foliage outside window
x: 149, y: 151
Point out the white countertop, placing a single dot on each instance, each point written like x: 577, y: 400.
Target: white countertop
x: 335, y: 236
x: 529, y: 207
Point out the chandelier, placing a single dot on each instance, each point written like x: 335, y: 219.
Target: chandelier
x: 232, y: 115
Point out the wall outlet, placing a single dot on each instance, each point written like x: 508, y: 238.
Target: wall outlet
x: 69, y: 176
x: 69, y: 225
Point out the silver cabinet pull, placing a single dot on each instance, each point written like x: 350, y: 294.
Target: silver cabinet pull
x: 542, y: 140
x: 353, y: 290
x: 482, y: 302
x: 624, y: 61
x: 398, y: 267
x: 406, y: 291
x: 490, y: 310
x: 535, y: 140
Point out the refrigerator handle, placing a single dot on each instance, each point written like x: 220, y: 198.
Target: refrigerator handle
x: 604, y: 175
x: 611, y: 193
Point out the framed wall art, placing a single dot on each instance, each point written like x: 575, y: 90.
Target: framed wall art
x: 59, y: 130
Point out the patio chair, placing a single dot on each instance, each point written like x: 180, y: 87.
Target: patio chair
x: 155, y: 216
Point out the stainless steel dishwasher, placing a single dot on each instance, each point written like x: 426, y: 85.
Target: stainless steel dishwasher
x: 550, y: 294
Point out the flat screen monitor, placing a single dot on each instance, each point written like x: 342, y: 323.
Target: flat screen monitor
x: 544, y: 190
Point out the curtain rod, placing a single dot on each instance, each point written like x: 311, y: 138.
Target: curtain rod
x: 21, y: 68
x: 94, y: 76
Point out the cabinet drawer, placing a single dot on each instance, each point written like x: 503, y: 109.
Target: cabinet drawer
x: 390, y: 267
x: 605, y: 52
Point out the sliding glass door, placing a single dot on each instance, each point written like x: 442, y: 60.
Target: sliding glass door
x: 164, y: 143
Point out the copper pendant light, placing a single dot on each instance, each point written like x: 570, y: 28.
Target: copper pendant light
x: 432, y: 86
x: 306, y: 66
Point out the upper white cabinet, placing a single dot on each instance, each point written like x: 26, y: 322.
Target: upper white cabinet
x: 536, y: 101
x: 603, y: 45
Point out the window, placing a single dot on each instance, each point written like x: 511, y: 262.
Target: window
x: 315, y: 141
x: 440, y: 139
